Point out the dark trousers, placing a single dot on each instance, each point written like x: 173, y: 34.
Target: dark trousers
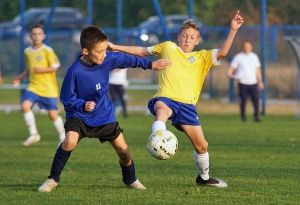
x: 117, y: 92
x: 244, y: 91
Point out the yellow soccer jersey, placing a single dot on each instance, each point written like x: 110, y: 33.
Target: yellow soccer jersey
x: 184, y: 79
x: 42, y: 84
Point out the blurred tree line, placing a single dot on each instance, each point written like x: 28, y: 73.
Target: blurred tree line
x: 211, y: 12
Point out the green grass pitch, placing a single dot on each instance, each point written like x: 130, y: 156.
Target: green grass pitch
x: 259, y: 161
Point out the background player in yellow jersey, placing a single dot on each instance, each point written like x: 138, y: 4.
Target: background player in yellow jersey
x: 41, y: 66
x: 180, y: 86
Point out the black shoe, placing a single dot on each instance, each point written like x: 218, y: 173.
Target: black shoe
x: 210, y: 182
x: 257, y: 120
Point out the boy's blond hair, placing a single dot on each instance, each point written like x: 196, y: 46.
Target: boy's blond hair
x: 189, y: 23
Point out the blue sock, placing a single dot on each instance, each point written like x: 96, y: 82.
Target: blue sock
x: 60, y: 160
x: 128, y: 173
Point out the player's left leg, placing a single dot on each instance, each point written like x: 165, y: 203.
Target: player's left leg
x: 58, y: 124
x: 201, y: 156
x: 126, y: 163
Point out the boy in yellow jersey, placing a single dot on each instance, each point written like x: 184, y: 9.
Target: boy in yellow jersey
x: 1, y: 79
x: 41, y: 66
x: 180, y: 86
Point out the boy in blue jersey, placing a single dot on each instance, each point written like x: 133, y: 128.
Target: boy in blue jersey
x: 180, y: 86
x: 89, y: 110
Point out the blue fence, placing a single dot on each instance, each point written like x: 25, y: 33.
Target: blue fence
x: 66, y: 45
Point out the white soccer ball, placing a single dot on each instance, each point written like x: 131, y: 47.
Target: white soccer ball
x: 162, y: 144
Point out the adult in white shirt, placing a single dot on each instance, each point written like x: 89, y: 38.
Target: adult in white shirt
x: 117, y: 83
x: 245, y: 67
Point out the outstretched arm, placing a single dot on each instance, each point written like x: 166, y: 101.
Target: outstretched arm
x: 133, y: 50
x: 0, y: 79
x: 18, y: 78
x: 45, y: 70
x: 236, y: 23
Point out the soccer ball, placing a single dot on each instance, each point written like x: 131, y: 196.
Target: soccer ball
x: 162, y: 144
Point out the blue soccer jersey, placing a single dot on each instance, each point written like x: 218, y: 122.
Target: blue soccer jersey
x: 85, y: 82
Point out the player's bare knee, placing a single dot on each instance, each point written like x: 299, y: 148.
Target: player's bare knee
x: 69, y: 143
x: 202, y: 148
x: 123, y: 153
x: 26, y: 107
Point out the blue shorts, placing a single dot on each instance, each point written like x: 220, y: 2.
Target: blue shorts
x: 183, y: 114
x: 43, y: 102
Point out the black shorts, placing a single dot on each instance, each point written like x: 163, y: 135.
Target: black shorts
x: 108, y: 132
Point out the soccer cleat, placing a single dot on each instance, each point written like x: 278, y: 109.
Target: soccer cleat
x: 32, y: 139
x: 210, y: 182
x: 135, y: 185
x: 48, y: 186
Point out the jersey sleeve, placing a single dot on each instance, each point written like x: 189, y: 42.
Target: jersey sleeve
x: 26, y: 59
x: 214, y: 57
x: 157, y: 49
x: 122, y: 60
x: 68, y: 97
x: 258, y: 65
x: 52, y: 59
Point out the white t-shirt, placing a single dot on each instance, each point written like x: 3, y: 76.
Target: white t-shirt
x: 118, y: 77
x: 246, y: 66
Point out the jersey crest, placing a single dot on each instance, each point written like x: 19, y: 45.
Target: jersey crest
x: 39, y: 58
x: 191, y: 59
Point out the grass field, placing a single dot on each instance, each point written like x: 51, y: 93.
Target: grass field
x: 259, y: 161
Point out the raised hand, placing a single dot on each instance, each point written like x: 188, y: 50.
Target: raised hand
x: 237, y: 21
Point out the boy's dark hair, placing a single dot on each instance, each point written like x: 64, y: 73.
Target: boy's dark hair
x: 37, y: 26
x: 189, y: 23
x: 90, y: 36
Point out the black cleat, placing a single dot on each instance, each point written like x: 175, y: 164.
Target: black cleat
x: 210, y: 182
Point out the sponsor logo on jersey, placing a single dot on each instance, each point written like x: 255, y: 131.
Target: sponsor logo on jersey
x: 173, y: 46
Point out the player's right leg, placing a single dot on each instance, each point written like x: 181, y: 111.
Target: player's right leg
x: 243, y: 92
x: 126, y: 163
x: 30, y: 122
x: 60, y: 159
x: 162, y: 113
